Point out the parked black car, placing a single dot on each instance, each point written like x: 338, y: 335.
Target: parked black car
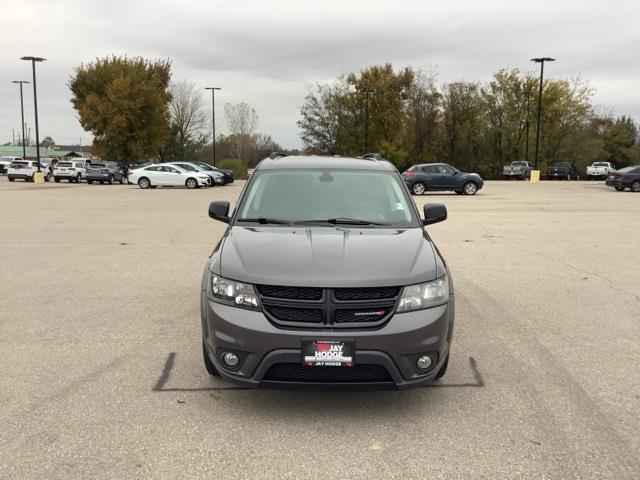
x: 563, y: 171
x: 627, y: 177
x: 228, y: 174
x: 441, y: 177
x: 325, y: 276
x: 103, y: 173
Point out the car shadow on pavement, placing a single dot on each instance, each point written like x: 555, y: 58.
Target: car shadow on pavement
x: 163, y: 379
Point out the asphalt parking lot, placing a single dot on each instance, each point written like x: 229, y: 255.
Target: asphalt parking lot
x: 101, y: 373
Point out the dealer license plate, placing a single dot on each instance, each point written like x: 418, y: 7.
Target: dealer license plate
x: 327, y: 353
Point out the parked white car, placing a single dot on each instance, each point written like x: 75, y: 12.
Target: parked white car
x: 599, y: 170
x: 217, y: 178
x: 167, y: 175
x: 6, y: 161
x: 25, y: 170
x: 73, y: 170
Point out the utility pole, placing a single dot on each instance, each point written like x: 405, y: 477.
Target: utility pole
x: 541, y: 61
x: 526, y: 127
x: 21, y: 82
x: 213, y: 120
x: 33, y: 61
x: 366, y: 121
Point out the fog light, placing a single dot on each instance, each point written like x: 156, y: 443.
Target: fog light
x: 424, y: 362
x: 230, y: 359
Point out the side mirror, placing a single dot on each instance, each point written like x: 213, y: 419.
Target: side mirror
x: 219, y: 211
x: 434, y: 213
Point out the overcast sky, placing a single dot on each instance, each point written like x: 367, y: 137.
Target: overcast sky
x: 268, y: 53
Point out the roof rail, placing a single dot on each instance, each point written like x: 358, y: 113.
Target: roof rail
x: 275, y: 155
x: 372, y: 156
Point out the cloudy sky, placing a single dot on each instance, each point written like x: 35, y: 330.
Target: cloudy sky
x: 268, y: 53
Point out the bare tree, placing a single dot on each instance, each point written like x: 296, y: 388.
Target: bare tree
x: 188, y: 117
x: 242, y: 121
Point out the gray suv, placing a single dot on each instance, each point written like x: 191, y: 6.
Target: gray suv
x: 325, y: 277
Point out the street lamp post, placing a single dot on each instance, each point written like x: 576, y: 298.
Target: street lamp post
x: 541, y: 61
x: 527, y: 95
x: 213, y: 119
x: 366, y: 120
x: 24, y: 149
x: 33, y: 61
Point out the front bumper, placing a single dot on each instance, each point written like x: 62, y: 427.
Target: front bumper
x: 260, y: 345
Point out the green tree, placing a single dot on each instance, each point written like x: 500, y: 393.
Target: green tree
x: 48, y: 143
x: 124, y: 102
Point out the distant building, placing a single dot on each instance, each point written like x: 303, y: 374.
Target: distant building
x: 58, y: 152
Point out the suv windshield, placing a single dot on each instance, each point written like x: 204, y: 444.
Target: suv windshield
x: 351, y: 197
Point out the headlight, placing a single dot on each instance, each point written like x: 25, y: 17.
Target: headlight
x: 233, y: 293
x: 424, y: 295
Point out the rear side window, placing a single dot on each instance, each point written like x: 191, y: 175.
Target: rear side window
x: 430, y: 169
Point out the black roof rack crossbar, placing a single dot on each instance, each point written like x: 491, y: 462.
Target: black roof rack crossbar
x: 275, y: 155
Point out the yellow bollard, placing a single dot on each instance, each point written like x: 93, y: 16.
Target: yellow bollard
x: 38, y: 177
x: 535, y: 176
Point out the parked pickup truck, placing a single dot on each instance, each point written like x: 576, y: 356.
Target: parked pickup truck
x: 599, y: 170
x: 518, y: 169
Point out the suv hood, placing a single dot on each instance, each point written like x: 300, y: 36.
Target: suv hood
x: 327, y: 256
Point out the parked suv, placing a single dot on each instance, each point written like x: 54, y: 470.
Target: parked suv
x: 73, y: 170
x: 25, y: 170
x: 103, y: 173
x: 326, y: 277
x: 441, y: 177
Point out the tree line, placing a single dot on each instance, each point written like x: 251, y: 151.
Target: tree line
x: 136, y: 112
x: 473, y: 125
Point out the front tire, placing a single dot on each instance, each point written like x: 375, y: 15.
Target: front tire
x: 620, y: 189
x: 470, y: 188
x: 144, y: 183
x: 418, y: 188
x: 208, y: 364
x: 191, y: 183
x: 90, y: 182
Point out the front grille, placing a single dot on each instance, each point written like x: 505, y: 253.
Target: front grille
x: 293, y: 293
x: 297, y: 372
x: 375, y: 293
x: 295, y: 315
x: 360, y: 315
x: 303, y: 307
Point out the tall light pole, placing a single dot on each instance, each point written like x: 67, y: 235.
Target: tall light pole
x: 527, y: 96
x: 213, y: 119
x: 33, y: 61
x: 541, y: 61
x: 24, y: 148
x: 366, y: 120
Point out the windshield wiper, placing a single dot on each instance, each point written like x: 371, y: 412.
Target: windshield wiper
x: 264, y: 221
x: 345, y: 221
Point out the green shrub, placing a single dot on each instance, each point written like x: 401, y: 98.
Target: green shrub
x: 239, y: 168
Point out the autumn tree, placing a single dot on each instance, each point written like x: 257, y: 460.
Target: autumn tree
x: 124, y: 102
x: 241, y: 120
x: 188, y: 122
